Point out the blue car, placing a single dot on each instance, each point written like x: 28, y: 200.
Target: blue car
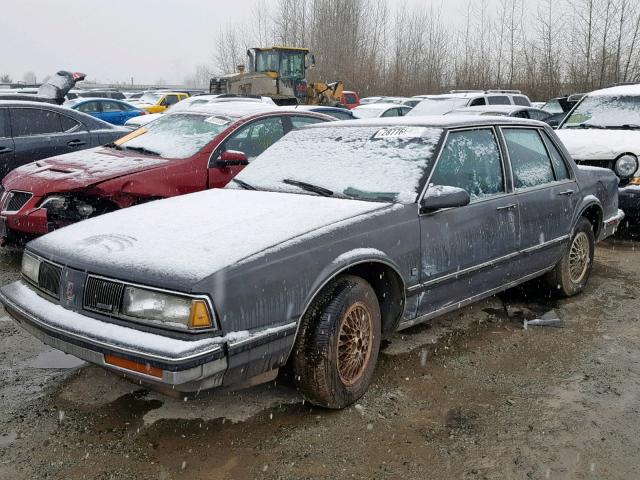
x: 109, y: 110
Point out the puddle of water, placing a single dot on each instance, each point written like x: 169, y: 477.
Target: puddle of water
x: 55, y: 359
x: 7, y: 439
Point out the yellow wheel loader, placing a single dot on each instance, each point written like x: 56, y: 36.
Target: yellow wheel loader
x: 279, y: 73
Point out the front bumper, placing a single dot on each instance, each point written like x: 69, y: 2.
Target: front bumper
x: 629, y: 200
x: 183, y: 365
x: 611, y: 224
x: 182, y: 362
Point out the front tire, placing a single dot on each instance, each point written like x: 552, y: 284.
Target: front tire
x: 338, y: 343
x: 571, y: 274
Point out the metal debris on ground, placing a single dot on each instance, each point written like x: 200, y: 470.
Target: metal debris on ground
x: 549, y: 319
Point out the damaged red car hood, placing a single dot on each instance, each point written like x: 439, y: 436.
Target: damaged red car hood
x: 78, y: 170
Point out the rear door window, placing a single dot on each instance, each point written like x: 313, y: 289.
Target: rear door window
x: 256, y: 137
x: 89, y: 107
x: 298, y: 122
x: 34, y: 121
x: 499, y: 100
x: 68, y: 123
x: 4, y: 131
x: 530, y: 162
x: 171, y: 100
x: 392, y: 112
x: 521, y: 100
x: 111, y: 107
x: 471, y: 160
x: 559, y: 165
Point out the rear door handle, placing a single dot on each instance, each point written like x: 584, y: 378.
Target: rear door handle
x: 5, y: 150
x: 508, y: 207
x: 566, y: 192
x: 76, y: 143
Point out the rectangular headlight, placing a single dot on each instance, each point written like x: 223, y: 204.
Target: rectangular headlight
x: 165, y: 309
x: 30, y: 267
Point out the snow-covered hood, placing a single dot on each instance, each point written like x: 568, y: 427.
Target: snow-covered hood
x: 76, y: 170
x: 190, y: 237
x: 594, y: 144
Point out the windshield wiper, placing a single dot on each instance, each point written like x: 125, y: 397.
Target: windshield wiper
x: 243, y: 184
x: 143, y: 150
x: 587, y: 125
x: 627, y: 126
x: 113, y: 145
x: 325, y: 192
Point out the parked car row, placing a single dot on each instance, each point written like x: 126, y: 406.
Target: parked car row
x: 231, y: 238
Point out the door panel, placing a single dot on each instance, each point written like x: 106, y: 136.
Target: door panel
x: 469, y: 250
x: 6, y: 144
x: 546, y: 198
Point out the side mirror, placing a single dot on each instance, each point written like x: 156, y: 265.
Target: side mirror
x: 231, y: 158
x: 439, y: 196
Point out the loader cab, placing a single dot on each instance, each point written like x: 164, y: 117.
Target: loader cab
x: 281, y: 62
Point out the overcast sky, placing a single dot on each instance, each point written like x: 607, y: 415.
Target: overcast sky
x: 114, y: 40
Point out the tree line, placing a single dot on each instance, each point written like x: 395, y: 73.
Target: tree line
x: 378, y: 47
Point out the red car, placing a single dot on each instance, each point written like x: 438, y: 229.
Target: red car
x: 350, y: 99
x: 183, y: 152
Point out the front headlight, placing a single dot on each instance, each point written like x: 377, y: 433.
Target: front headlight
x: 30, y: 267
x: 626, y: 165
x: 165, y: 308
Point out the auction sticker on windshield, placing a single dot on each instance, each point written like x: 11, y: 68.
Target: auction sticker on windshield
x: 217, y: 120
x: 401, y: 132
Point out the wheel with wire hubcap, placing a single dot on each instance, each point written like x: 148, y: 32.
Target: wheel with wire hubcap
x: 571, y: 274
x: 338, y: 343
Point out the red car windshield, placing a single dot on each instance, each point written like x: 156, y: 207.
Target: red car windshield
x: 179, y: 135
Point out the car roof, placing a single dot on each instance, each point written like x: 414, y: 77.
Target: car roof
x: 313, y: 108
x: 27, y: 103
x: 231, y: 109
x: 494, y: 108
x: 435, y: 121
x: 619, y: 90
x: 378, y: 106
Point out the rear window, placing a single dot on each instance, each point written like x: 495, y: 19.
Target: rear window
x: 350, y: 98
x: 438, y: 106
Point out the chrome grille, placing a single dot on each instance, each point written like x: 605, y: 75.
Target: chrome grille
x: 49, y: 278
x: 15, y: 201
x: 102, y: 295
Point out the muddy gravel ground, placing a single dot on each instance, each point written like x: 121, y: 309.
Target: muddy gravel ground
x: 471, y: 396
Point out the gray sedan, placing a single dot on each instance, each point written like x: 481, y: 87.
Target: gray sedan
x: 333, y: 238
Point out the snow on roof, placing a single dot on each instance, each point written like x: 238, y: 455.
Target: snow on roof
x: 619, y: 90
x: 376, y: 106
x: 231, y: 109
x: 445, y: 121
x: 490, y: 108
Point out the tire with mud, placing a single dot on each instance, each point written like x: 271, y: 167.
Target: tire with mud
x: 337, y: 347
x: 571, y: 274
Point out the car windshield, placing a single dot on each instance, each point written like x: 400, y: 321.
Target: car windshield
x: 178, y: 135
x: 369, y: 163
x: 437, y: 106
x: 150, y: 98
x: 368, y: 112
x: 606, y: 111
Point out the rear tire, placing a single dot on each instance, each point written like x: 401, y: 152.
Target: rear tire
x: 337, y: 346
x: 571, y: 274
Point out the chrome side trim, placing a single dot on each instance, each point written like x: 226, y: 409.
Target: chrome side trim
x: 489, y: 263
x: 265, y: 333
x: 467, y: 301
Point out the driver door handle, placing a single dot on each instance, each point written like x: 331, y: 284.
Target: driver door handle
x: 508, y: 207
x: 76, y: 143
x: 566, y: 193
x: 5, y: 150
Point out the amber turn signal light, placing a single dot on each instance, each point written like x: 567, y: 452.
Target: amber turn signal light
x: 199, y: 315
x: 133, y: 366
